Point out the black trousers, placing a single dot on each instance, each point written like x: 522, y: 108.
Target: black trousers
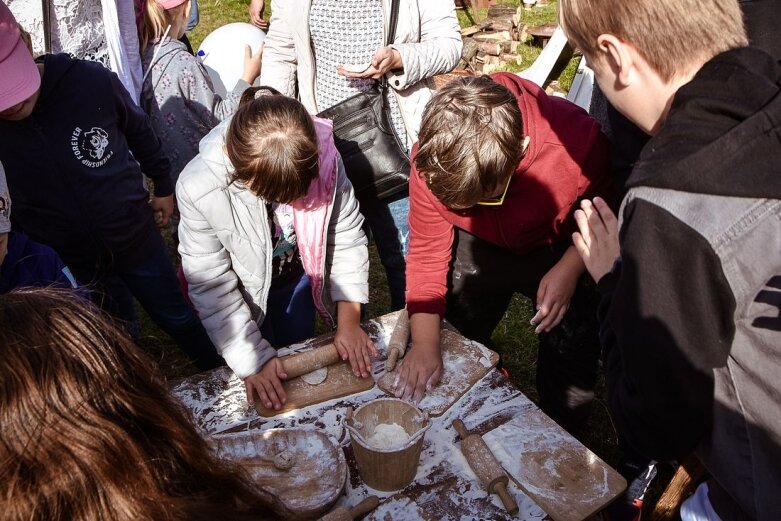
x: 484, y: 278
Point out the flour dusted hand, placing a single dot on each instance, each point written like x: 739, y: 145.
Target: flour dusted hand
x: 352, y: 342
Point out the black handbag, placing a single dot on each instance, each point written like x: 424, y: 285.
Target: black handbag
x: 374, y: 157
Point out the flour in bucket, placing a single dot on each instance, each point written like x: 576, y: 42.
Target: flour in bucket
x: 388, y: 436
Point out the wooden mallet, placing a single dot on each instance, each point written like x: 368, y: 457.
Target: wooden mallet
x: 399, y: 339
x: 343, y: 514
x: 485, y: 465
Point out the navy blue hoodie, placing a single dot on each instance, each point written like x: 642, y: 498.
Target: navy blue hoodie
x: 73, y: 167
x: 29, y: 264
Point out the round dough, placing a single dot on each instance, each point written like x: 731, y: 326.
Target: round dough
x: 316, y: 377
x: 284, y: 460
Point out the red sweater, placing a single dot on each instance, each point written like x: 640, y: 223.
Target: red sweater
x: 567, y: 160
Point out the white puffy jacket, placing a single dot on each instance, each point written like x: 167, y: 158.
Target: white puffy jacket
x: 225, y: 243
x: 428, y: 38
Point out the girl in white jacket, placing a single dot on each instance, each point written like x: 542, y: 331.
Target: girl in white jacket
x: 270, y: 232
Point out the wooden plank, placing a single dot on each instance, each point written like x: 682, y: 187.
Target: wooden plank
x: 543, y: 65
x: 469, y: 31
x: 582, y: 86
x: 465, y: 362
x: 496, y: 37
x: 340, y: 382
x: 569, y: 482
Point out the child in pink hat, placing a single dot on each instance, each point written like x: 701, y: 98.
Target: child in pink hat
x: 19, y: 77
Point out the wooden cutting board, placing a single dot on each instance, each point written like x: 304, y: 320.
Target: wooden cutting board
x: 340, y: 382
x: 566, y: 480
x: 309, y: 487
x: 465, y: 362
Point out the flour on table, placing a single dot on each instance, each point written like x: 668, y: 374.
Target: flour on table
x: 388, y: 436
x: 316, y: 377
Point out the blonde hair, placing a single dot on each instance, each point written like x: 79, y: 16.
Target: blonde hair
x: 671, y: 35
x: 469, y: 141
x: 156, y: 20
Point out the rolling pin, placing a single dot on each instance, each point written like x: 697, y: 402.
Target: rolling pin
x: 342, y: 514
x: 308, y: 361
x: 485, y: 465
x: 399, y: 339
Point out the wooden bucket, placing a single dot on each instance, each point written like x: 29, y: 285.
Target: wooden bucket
x: 387, y: 469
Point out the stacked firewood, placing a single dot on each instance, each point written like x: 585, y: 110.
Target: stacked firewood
x: 494, y: 40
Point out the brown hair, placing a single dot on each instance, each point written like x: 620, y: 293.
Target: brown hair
x: 469, y: 141
x: 88, y: 430
x: 671, y: 35
x: 156, y: 20
x: 272, y: 144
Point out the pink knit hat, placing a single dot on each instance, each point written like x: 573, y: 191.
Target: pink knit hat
x: 170, y: 4
x: 19, y: 77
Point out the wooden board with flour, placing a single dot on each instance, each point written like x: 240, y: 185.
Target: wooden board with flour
x: 464, y: 361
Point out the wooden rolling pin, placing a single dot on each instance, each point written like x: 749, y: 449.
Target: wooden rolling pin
x: 342, y: 514
x: 485, y: 465
x: 399, y: 339
x: 308, y: 361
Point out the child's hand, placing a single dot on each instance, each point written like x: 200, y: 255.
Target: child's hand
x: 252, y: 64
x: 268, y: 384
x: 597, y: 242
x: 256, y: 8
x: 352, y: 342
x: 555, y: 291
x: 163, y: 209
x: 355, y: 346
x: 420, y: 370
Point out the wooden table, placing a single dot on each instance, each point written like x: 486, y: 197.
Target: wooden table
x: 565, y: 477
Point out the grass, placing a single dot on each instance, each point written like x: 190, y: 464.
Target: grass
x: 514, y: 337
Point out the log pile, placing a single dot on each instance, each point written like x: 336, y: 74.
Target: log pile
x: 493, y: 41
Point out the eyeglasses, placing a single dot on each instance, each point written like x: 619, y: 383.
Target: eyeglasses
x: 497, y: 201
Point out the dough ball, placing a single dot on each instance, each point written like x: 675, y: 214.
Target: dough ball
x: 316, y: 377
x: 284, y: 460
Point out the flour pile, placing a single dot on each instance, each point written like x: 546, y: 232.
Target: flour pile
x: 388, y: 436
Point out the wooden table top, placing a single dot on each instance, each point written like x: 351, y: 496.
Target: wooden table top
x: 566, y: 479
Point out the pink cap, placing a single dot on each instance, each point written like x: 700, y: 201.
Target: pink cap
x: 19, y: 77
x: 170, y: 4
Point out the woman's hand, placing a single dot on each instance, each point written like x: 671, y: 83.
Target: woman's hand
x: 256, y: 8
x: 597, y: 241
x: 384, y: 60
x: 268, y: 384
x: 555, y: 291
x: 252, y: 64
x: 352, y: 342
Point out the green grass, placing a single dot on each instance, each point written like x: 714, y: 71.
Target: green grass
x: 514, y: 337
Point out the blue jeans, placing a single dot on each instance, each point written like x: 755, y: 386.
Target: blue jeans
x: 387, y: 222
x: 290, y: 313
x: 156, y: 287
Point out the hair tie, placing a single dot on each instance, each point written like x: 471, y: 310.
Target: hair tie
x: 263, y: 91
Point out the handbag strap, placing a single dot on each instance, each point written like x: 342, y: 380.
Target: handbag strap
x: 392, y: 22
x: 47, y: 28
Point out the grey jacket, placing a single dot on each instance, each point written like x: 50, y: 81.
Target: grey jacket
x: 691, y: 320
x: 181, y: 102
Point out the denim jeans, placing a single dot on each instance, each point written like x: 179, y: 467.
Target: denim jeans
x: 154, y: 284
x: 388, y: 225
x: 290, y: 313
